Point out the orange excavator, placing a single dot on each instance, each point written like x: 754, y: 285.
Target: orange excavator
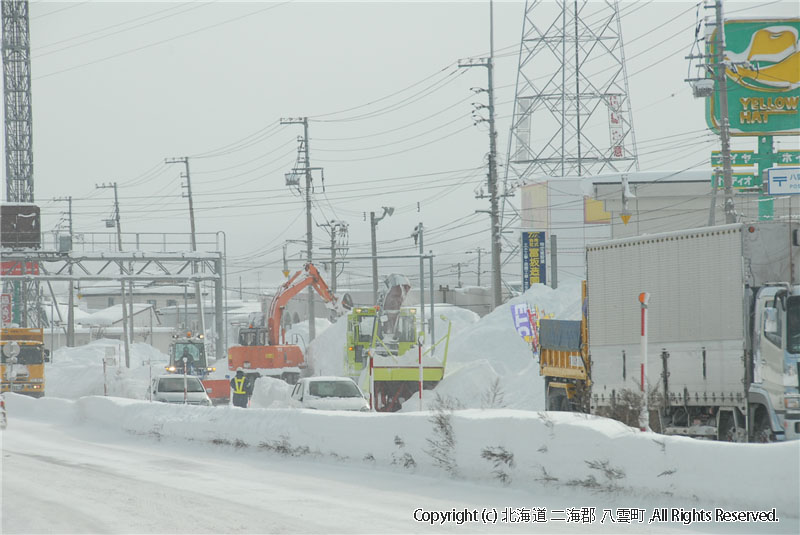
x: 262, y: 348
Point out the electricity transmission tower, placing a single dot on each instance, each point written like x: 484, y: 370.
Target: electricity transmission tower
x: 18, y: 121
x: 17, y: 96
x: 572, y: 111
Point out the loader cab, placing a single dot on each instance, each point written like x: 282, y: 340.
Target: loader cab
x: 193, y: 350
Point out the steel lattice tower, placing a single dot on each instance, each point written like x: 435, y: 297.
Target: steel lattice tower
x: 572, y: 113
x: 18, y: 121
x: 17, y: 96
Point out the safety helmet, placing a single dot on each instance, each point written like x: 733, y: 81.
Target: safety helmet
x: 239, y: 369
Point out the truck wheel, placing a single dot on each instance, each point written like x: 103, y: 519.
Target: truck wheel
x: 727, y: 428
x: 762, y: 432
x: 557, y: 400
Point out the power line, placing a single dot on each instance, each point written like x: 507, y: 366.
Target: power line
x: 161, y: 42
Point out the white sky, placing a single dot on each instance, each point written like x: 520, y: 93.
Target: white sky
x: 118, y: 87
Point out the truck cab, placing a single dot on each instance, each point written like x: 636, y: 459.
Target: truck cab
x: 22, y: 360
x: 775, y: 393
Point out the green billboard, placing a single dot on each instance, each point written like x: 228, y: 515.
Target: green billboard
x: 762, y: 67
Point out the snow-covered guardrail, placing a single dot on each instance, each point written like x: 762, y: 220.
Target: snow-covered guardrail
x: 520, y: 448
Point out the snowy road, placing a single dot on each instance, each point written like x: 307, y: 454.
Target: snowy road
x: 89, y: 484
x: 83, y: 480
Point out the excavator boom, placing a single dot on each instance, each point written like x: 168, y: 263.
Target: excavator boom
x: 259, y: 352
x: 308, y: 276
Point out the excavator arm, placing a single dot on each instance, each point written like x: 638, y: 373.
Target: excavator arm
x: 308, y: 276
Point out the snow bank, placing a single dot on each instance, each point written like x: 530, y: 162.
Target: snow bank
x: 269, y: 392
x: 326, y: 354
x: 482, y: 351
x: 491, y: 350
x: 298, y: 333
x: 550, y: 450
x: 78, y: 371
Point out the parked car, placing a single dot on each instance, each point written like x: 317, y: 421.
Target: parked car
x: 3, y: 415
x: 329, y: 393
x: 170, y: 389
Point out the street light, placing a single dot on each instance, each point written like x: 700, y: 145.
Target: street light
x: 373, y: 221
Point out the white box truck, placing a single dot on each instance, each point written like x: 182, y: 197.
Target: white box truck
x: 723, y: 329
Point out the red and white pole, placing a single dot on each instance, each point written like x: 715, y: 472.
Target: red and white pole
x: 644, y: 418
x: 371, y: 384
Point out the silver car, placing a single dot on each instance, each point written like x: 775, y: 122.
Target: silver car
x: 173, y: 389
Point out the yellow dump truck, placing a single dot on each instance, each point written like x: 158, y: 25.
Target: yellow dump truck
x: 23, y: 357
x: 564, y: 362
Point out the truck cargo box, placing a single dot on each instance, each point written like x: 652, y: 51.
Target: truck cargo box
x: 700, y: 282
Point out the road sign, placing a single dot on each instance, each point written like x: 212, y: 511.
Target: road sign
x: 783, y: 181
x: 12, y: 267
x: 740, y: 180
x: 739, y: 158
x: 787, y: 157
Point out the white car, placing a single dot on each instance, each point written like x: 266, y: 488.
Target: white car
x: 329, y: 393
x: 170, y: 389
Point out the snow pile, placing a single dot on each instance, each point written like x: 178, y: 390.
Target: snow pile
x: 269, y: 392
x: 552, y: 452
x: 78, y: 371
x: 486, y: 358
x: 491, y: 351
x: 297, y: 334
x: 326, y: 354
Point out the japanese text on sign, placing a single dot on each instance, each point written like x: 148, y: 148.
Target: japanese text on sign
x: 534, y: 268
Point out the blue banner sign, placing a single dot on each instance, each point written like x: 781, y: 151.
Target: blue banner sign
x: 534, y: 268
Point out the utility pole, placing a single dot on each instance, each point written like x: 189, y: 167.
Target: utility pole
x: 417, y: 235
x: 373, y: 223
x: 478, y: 250
x: 197, y: 290
x: 333, y: 259
x: 126, y: 340
x: 553, y: 261
x: 458, y: 266
x: 312, y: 332
x: 71, y: 303
x: 724, y: 127
x: 341, y: 226
x: 497, y: 297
